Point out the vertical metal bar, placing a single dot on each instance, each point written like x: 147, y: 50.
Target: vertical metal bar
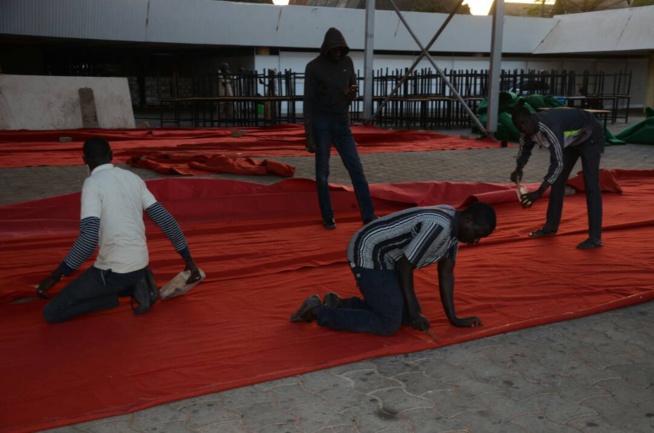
x: 440, y: 72
x: 422, y: 54
x: 367, y: 61
x: 495, y: 67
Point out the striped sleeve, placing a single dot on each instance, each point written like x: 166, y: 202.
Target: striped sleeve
x: 556, y: 155
x: 524, y: 152
x: 165, y: 221
x: 83, y: 247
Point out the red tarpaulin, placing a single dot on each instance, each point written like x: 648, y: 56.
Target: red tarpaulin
x: 264, y: 251
x: 43, y: 148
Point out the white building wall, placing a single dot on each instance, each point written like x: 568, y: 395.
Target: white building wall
x: 46, y: 102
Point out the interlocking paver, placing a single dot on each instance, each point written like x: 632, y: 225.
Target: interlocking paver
x: 393, y: 365
x: 315, y: 416
x: 624, y: 415
x: 541, y: 424
x: 225, y: 427
x: 450, y: 403
x: 158, y: 415
x: 483, y: 421
x: 595, y: 424
x: 259, y: 415
x: 371, y: 418
x: 430, y: 421
x: 286, y: 397
x: 396, y: 400
x: 560, y: 410
x: 168, y: 427
x: 207, y: 413
x: 626, y: 392
x: 417, y: 383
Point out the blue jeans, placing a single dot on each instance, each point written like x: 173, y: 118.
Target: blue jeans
x: 94, y: 290
x: 326, y: 132
x: 381, y: 311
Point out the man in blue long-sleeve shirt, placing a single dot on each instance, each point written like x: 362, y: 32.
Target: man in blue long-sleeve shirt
x: 112, y: 207
x: 569, y: 134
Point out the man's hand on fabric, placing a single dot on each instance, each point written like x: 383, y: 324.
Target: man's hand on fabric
x: 311, y: 144
x: 47, y: 283
x: 420, y: 323
x: 195, y: 272
x: 526, y: 200
x: 516, y: 176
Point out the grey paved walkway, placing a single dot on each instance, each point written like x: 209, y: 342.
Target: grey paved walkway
x: 591, y: 375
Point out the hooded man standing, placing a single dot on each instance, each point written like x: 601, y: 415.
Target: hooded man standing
x: 329, y: 88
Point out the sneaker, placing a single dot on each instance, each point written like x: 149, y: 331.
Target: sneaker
x: 542, y: 232
x: 329, y: 224
x: 308, y: 311
x: 145, y: 293
x: 589, y: 244
x: 332, y: 300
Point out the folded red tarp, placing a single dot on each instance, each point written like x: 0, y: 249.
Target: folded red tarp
x: 264, y: 251
x: 167, y: 163
x: 43, y: 148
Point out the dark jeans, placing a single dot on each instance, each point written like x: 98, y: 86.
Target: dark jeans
x: 94, y: 290
x: 590, y: 153
x: 381, y: 311
x: 337, y: 132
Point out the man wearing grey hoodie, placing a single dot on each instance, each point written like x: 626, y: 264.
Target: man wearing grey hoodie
x: 330, y: 85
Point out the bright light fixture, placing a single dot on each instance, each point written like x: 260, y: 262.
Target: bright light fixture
x: 479, y: 7
x: 483, y: 7
x: 280, y: 2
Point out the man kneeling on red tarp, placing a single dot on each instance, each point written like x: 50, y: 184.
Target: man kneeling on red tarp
x: 383, y: 256
x: 112, y: 207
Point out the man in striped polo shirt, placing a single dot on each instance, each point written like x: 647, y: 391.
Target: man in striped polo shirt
x: 569, y: 134
x: 112, y: 207
x: 383, y: 256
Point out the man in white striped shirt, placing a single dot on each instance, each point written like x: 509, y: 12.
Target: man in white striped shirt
x: 383, y: 256
x: 112, y: 207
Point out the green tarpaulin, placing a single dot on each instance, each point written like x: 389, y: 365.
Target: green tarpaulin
x: 641, y: 132
x: 508, y: 101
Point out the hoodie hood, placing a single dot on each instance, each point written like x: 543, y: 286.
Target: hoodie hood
x: 333, y: 39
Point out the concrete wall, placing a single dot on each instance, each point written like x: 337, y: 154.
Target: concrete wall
x: 46, y: 102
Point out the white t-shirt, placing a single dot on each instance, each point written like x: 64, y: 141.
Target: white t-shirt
x: 118, y: 197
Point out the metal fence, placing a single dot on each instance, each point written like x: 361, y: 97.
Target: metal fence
x: 423, y: 98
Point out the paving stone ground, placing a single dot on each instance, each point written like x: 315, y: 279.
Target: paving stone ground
x: 590, y: 375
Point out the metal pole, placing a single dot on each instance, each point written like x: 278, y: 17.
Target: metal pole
x: 417, y: 60
x: 367, y: 61
x: 440, y: 72
x: 495, y: 67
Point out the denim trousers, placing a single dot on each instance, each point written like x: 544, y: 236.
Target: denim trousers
x: 328, y: 131
x: 381, y: 311
x: 94, y: 290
